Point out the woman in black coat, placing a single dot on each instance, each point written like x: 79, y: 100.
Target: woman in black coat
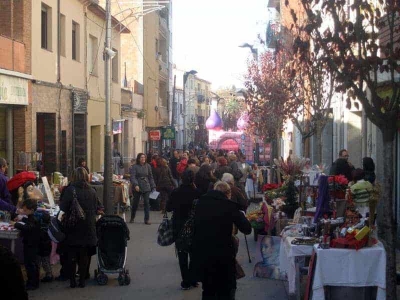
x: 180, y: 203
x: 205, y: 179
x: 81, y: 238
x: 213, y: 246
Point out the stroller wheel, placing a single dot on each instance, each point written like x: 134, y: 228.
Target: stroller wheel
x: 102, y: 279
x: 121, y: 279
x: 127, y: 278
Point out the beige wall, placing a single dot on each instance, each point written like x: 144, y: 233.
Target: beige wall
x: 151, y: 72
x: 96, y: 82
x: 44, y: 62
x: 96, y: 88
x: 96, y: 117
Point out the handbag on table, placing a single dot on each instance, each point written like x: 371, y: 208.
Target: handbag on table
x: 165, y: 232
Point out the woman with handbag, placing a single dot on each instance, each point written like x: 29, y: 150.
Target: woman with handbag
x: 180, y: 203
x: 142, y: 184
x: 78, y: 209
x: 164, y: 181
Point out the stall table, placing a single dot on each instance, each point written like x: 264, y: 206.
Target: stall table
x: 11, y: 235
x: 290, y: 258
x: 350, y: 268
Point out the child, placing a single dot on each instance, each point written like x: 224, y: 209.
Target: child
x: 30, y: 231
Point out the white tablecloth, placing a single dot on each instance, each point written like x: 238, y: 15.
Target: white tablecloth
x: 287, y: 256
x: 351, y: 268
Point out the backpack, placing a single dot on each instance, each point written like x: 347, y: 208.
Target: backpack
x: 184, y: 239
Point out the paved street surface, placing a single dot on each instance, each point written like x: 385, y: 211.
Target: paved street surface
x: 155, y: 273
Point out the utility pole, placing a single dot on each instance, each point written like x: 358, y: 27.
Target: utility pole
x: 108, y: 55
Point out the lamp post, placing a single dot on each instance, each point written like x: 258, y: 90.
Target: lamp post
x: 185, y: 77
x: 252, y: 49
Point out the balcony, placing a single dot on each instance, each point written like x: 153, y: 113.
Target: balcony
x: 12, y: 55
x: 272, y: 34
x: 163, y: 112
x: 163, y: 25
x: 163, y: 68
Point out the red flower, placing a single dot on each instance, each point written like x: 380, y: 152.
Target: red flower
x: 338, y: 179
x: 270, y: 186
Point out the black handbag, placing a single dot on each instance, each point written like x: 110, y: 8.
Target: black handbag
x: 75, y: 213
x: 165, y: 233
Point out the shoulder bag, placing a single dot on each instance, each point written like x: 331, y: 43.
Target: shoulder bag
x: 75, y: 213
x: 165, y: 232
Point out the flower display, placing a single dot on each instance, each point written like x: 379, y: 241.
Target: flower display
x: 270, y: 186
x: 278, y: 203
x: 256, y: 218
x: 338, y: 183
x: 292, y: 167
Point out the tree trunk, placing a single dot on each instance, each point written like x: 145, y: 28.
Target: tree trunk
x: 386, y: 224
x: 318, y: 137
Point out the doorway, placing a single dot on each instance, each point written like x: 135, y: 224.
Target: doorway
x: 46, y: 141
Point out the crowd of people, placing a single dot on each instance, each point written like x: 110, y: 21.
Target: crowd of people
x: 218, y: 184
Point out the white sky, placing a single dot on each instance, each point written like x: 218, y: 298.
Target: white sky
x: 207, y: 33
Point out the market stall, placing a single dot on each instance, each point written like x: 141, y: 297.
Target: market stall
x: 319, y: 224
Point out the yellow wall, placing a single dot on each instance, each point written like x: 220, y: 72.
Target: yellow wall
x: 151, y: 72
x: 96, y: 117
x: 44, y: 62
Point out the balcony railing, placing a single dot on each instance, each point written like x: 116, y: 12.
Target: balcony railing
x: 163, y: 67
x: 12, y: 55
x: 272, y: 35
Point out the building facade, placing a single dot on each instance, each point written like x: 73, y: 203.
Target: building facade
x: 15, y: 82
x: 52, y: 51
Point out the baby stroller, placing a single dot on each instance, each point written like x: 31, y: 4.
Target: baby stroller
x: 113, y: 236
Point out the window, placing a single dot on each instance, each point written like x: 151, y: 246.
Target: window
x: 180, y: 108
x: 75, y: 41
x: 62, y: 35
x: 92, y: 55
x: 114, y: 67
x: 46, y: 27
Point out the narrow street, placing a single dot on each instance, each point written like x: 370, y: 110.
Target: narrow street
x: 155, y: 273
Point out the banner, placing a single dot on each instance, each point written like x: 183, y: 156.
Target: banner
x: 168, y: 133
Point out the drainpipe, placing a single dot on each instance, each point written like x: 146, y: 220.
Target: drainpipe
x: 59, y: 83
x: 10, y: 144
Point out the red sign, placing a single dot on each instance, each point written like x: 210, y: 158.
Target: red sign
x: 155, y: 135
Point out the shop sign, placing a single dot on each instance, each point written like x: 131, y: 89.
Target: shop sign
x: 168, y: 133
x: 155, y: 135
x: 13, y: 90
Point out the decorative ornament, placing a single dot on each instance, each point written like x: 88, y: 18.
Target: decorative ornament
x: 243, y: 121
x: 214, y: 122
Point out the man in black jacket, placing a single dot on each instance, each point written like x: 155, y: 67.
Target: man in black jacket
x: 213, y: 249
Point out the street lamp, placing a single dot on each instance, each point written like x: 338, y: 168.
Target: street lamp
x: 185, y: 77
x: 252, y: 49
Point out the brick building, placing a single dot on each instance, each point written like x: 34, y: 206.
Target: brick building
x: 15, y: 75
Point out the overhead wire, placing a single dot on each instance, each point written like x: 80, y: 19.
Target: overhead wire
x: 134, y: 39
